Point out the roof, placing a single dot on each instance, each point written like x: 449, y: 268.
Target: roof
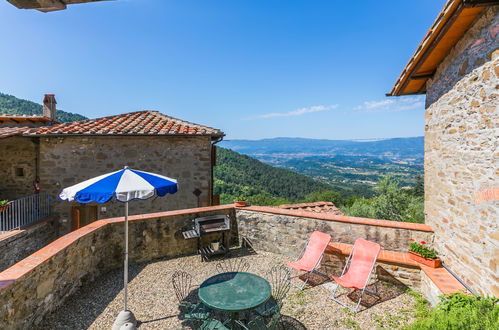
x: 132, y: 123
x: 11, y: 131
x: 46, y: 6
x: 449, y: 27
x: 316, y: 207
x: 23, y: 118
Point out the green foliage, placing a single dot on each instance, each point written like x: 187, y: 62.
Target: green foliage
x: 5, y: 201
x: 391, y: 202
x: 262, y: 184
x: 12, y: 105
x: 418, y: 189
x: 459, y: 311
x: 423, y: 250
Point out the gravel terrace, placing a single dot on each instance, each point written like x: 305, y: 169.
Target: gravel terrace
x: 152, y: 299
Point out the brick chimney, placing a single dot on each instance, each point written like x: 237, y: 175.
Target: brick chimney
x: 49, y: 106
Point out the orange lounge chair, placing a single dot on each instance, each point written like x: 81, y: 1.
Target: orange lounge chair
x: 358, y: 269
x: 311, y: 256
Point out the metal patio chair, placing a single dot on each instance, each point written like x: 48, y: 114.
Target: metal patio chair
x: 358, y: 270
x: 236, y: 265
x: 278, y: 277
x: 311, y: 255
x: 182, y: 285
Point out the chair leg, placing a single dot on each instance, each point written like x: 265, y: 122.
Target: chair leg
x: 301, y: 287
x: 334, y: 298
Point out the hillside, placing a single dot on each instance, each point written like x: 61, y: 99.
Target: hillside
x: 12, y: 105
x: 241, y: 175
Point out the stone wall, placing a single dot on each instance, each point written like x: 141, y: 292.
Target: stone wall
x: 429, y: 289
x: 19, y: 244
x: 69, y: 160
x: 287, y: 234
x: 17, y: 152
x: 461, y: 156
x: 40, y: 283
x: 471, y: 52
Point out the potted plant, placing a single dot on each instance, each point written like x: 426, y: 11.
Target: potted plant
x: 240, y: 201
x: 4, y: 204
x: 421, y: 253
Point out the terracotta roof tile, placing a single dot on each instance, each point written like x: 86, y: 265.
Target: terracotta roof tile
x: 317, y: 207
x: 5, y: 117
x: 10, y: 131
x: 133, y: 123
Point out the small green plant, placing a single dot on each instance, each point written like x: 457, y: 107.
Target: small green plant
x: 4, y: 202
x: 351, y: 324
x: 421, y: 249
x: 240, y: 198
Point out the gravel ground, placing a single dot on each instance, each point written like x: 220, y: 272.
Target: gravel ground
x: 152, y: 299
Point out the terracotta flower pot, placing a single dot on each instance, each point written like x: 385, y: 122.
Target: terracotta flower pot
x: 433, y: 263
x: 4, y: 207
x: 240, y: 203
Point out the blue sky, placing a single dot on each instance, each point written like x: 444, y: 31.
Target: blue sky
x: 253, y: 68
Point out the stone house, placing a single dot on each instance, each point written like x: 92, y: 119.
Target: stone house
x: 457, y: 67
x: 59, y: 155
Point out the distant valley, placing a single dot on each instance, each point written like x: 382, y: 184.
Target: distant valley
x: 339, y: 162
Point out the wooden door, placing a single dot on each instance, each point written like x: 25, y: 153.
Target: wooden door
x: 83, y: 215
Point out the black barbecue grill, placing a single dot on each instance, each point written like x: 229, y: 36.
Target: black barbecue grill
x: 208, y: 225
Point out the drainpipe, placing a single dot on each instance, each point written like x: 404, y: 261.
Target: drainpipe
x: 460, y: 280
x: 212, y: 167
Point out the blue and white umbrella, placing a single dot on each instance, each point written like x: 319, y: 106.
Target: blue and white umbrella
x: 124, y: 185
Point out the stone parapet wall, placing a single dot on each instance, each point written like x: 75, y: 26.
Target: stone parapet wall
x: 286, y: 232
x: 18, y: 244
x: 40, y: 283
x: 461, y: 160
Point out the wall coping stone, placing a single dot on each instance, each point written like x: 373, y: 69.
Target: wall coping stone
x: 340, y: 218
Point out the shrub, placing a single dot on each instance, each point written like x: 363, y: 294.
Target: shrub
x: 459, y: 311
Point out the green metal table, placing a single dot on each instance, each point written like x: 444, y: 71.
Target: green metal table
x: 234, y: 292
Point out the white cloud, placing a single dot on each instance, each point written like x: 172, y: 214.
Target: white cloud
x: 392, y: 104
x: 297, y: 112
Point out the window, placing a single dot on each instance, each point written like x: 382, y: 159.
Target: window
x: 19, y: 171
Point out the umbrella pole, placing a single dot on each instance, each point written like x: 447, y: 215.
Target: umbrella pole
x: 126, y: 253
x: 125, y: 317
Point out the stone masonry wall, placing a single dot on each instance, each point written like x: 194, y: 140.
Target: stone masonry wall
x: 69, y: 160
x: 17, y: 152
x: 40, y: 283
x: 19, y: 244
x: 287, y: 234
x: 462, y: 157
x: 471, y: 52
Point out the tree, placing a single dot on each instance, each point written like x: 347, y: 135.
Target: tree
x: 391, y: 203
